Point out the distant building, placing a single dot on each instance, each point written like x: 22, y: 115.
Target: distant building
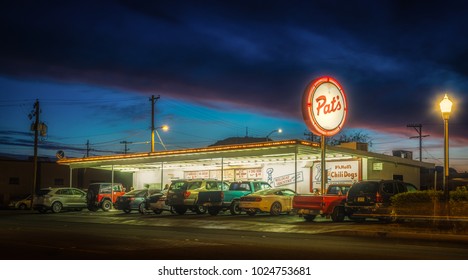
x: 17, y: 176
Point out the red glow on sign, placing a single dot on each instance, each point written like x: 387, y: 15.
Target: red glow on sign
x: 324, y: 106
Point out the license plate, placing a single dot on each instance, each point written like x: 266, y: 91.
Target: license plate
x: 361, y: 199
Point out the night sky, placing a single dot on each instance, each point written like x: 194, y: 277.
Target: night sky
x: 229, y: 69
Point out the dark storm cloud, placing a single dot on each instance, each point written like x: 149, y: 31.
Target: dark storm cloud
x: 391, y: 56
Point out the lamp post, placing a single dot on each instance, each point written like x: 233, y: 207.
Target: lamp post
x: 164, y: 128
x: 446, y: 108
x: 279, y: 130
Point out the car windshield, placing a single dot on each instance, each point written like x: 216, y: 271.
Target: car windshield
x: 239, y: 187
x: 411, y: 188
x: 364, y: 187
x: 337, y: 189
x: 137, y: 192
x: 266, y: 192
x: 178, y: 186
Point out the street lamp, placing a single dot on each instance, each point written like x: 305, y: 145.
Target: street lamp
x: 163, y: 128
x: 446, y: 108
x: 279, y: 130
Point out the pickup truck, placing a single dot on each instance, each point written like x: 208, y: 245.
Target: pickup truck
x: 216, y: 201
x: 331, y: 204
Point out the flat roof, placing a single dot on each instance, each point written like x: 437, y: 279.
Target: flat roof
x: 241, y: 154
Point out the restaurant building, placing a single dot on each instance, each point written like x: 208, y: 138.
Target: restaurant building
x: 295, y: 164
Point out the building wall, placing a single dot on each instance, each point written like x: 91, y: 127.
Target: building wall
x: 17, y: 176
x: 391, y: 170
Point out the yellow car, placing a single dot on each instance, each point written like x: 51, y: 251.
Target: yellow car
x: 275, y: 201
x: 24, y: 203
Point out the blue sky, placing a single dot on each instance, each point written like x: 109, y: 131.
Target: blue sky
x: 223, y: 66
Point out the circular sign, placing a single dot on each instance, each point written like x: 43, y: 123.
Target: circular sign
x: 324, y: 106
x: 60, y: 154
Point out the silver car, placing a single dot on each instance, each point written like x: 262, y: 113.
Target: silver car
x: 56, y: 199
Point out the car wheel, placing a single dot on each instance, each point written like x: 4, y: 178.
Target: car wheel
x: 213, y: 211
x: 157, y: 211
x: 252, y: 212
x: 106, y: 205
x: 22, y: 206
x: 57, y: 207
x: 235, y: 209
x: 338, y: 214
x: 309, y: 218
x: 275, y: 209
x: 141, y: 208
x: 180, y: 210
x: 127, y: 211
x: 200, y: 210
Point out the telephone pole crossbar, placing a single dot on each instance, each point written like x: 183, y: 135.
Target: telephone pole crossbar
x: 418, y: 128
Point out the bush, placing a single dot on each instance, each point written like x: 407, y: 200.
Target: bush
x: 459, y: 195
x: 410, y: 198
x: 431, y: 202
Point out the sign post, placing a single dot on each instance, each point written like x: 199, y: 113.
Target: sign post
x: 324, y: 109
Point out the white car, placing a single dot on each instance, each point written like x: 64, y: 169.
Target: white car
x: 57, y: 199
x: 156, y: 203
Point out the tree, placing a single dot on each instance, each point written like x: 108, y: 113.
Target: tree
x: 350, y: 136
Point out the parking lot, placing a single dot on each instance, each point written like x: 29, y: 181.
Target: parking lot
x: 116, y: 235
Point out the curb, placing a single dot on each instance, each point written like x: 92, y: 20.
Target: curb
x: 457, y: 238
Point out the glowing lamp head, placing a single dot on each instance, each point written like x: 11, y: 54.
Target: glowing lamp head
x: 280, y: 130
x: 446, y: 107
x: 165, y: 128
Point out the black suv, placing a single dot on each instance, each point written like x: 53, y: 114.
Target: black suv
x: 371, y: 199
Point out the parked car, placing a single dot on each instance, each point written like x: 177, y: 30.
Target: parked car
x: 57, y: 199
x: 275, y: 201
x: 103, y: 195
x: 156, y: 203
x: 371, y: 199
x: 222, y: 200
x: 24, y: 203
x: 330, y: 205
x: 133, y: 200
x: 338, y: 189
x: 182, y: 195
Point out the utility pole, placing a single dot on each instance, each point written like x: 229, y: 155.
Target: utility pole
x: 153, y: 100
x: 418, y: 128
x: 126, y: 143
x: 36, y: 135
x: 87, y: 148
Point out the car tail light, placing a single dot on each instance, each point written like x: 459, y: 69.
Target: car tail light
x: 186, y: 194
x: 131, y: 198
x: 378, y: 198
